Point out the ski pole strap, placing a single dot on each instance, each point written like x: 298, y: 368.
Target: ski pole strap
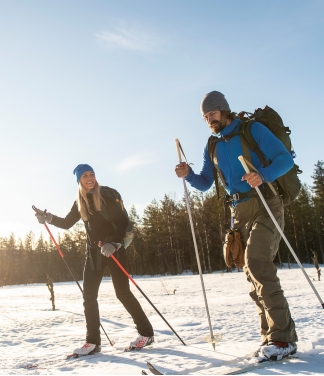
x: 217, y: 171
x: 182, y: 152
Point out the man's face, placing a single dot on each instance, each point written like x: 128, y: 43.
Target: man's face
x: 216, y: 121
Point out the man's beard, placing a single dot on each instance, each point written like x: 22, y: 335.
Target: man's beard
x: 218, y: 125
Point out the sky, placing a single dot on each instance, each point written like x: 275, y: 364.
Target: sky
x: 114, y: 83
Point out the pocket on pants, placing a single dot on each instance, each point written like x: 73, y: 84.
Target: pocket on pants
x: 260, y: 242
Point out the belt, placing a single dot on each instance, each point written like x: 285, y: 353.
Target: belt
x: 266, y: 191
x: 241, y: 196
x: 92, y: 244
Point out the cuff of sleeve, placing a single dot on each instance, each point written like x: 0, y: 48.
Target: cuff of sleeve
x: 190, y: 175
x: 264, y: 175
x: 116, y: 245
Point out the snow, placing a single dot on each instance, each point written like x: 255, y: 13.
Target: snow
x: 32, y: 334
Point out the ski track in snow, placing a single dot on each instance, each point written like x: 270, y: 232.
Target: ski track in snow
x: 31, y: 333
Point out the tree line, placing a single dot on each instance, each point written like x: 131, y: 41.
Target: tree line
x: 163, y: 242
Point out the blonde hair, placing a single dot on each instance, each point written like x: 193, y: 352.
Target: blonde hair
x: 83, y: 202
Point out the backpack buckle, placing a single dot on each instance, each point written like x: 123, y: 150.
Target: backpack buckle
x: 236, y: 197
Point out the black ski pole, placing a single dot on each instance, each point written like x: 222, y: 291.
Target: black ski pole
x: 142, y: 292
x: 62, y: 256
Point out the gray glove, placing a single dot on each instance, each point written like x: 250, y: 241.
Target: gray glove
x: 43, y: 217
x: 109, y: 248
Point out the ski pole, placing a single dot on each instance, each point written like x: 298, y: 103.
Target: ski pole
x: 247, y: 170
x: 62, y: 256
x: 212, y: 338
x: 142, y: 292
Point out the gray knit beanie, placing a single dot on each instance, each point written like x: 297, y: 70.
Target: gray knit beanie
x: 214, y: 101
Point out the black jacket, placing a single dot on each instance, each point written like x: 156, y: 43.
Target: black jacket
x: 97, y: 227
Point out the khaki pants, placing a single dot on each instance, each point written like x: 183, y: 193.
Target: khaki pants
x: 261, y: 242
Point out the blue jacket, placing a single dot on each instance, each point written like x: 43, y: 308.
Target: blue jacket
x: 232, y: 169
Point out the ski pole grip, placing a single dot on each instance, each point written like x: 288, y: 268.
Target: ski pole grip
x: 36, y: 210
x: 245, y: 166
x: 178, y: 149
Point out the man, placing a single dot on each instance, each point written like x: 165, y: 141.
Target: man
x: 249, y: 217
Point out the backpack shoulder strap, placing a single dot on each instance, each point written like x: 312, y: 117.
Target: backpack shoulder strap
x: 247, y: 155
x: 249, y: 142
x: 211, y: 148
x: 113, y: 194
x: 245, y: 148
x: 212, y: 152
x: 215, y: 163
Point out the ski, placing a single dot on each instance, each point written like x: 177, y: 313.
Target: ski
x: 76, y: 356
x: 253, y: 366
x: 71, y: 357
x: 235, y: 370
x: 131, y: 348
x: 153, y: 369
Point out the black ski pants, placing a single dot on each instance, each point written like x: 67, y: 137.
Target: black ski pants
x: 91, y: 283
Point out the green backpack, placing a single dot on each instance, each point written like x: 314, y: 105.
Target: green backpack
x: 289, y: 183
x: 112, y: 193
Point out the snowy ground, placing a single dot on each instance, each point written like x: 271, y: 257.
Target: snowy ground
x: 31, y: 333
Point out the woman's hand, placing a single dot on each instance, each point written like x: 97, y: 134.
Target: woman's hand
x: 109, y: 248
x: 43, y: 217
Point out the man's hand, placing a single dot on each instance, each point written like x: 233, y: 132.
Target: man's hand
x: 182, y: 170
x: 109, y: 248
x: 253, y: 179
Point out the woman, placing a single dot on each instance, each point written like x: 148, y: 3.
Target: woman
x: 91, y: 200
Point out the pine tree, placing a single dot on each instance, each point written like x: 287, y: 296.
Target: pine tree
x: 28, y: 246
x: 135, y: 250
x: 155, y: 249
x: 169, y: 214
x: 3, y: 260
x: 318, y: 190
x: 302, y: 204
x: 40, y: 262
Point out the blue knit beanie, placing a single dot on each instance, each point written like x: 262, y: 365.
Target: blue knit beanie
x: 80, y: 170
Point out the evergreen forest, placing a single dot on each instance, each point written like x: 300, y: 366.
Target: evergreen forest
x: 163, y: 242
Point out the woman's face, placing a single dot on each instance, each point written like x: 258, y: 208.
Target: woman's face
x: 88, y: 180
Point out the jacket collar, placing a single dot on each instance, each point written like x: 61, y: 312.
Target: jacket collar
x: 229, y: 129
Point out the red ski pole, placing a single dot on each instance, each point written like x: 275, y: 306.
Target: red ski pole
x: 142, y: 292
x: 62, y: 256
